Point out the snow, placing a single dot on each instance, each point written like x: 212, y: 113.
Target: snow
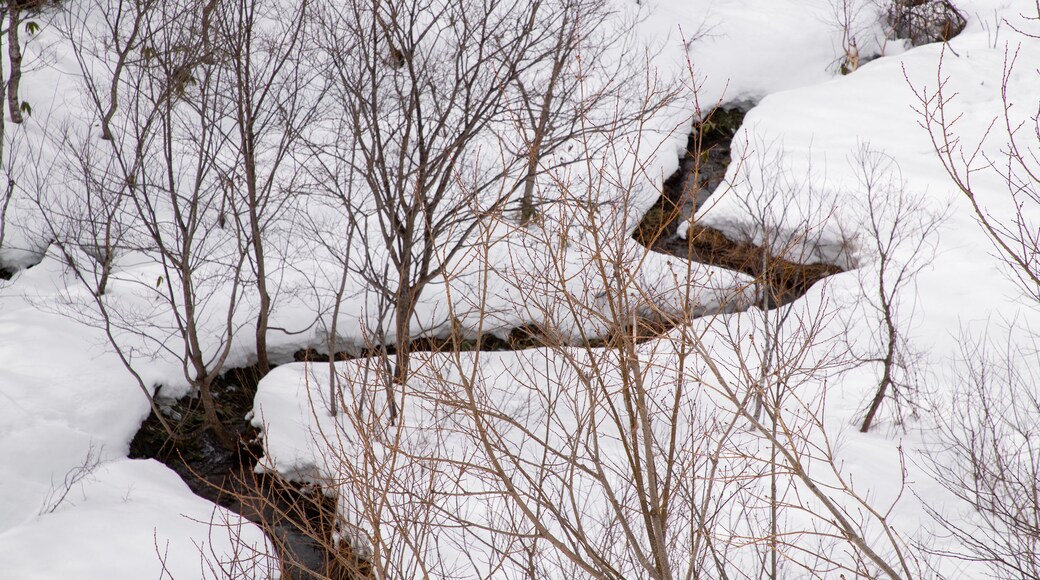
x: 71, y: 503
x: 69, y: 408
x: 134, y: 518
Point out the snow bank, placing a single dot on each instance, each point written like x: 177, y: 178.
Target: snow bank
x: 67, y: 402
x: 71, y: 505
x: 132, y: 519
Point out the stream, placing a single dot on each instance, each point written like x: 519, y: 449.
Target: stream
x: 300, y: 518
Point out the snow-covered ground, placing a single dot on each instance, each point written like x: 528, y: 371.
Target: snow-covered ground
x: 73, y: 505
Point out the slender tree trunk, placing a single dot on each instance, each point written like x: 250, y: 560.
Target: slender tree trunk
x: 657, y: 514
x: 203, y: 377
x: 402, y: 359
x: 333, y: 329
x: 117, y: 72
x: 886, y: 377
x: 9, y: 185
x: 774, y: 514
x: 241, y: 49
x: 14, y: 48
x: 213, y: 421
x: 106, y: 258
x: 256, y: 233
x: 528, y: 210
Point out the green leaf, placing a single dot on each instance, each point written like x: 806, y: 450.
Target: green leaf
x: 31, y: 27
x: 26, y: 108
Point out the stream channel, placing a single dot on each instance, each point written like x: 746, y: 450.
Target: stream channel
x: 300, y: 518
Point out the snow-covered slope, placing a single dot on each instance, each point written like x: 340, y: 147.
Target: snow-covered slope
x: 72, y: 505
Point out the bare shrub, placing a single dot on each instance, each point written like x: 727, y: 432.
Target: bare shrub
x: 987, y: 430
x: 897, y: 240
x: 988, y: 434
x: 615, y: 449
x: 60, y: 492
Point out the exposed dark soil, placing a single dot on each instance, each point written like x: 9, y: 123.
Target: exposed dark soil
x: 528, y: 336
x: 924, y: 21
x: 299, y: 520
x: 701, y: 170
x: 785, y: 280
x: 520, y: 338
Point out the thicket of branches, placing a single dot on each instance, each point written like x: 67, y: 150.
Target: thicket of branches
x: 664, y: 421
x: 989, y: 427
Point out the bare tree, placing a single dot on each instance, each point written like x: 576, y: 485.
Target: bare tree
x: 987, y: 429
x: 429, y: 93
x: 592, y: 64
x: 618, y: 448
x: 898, y: 238
x: 86, y: 214
x: 271, y: 95
x: 163, y: 147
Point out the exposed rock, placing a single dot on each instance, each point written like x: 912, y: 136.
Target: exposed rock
x: 925, y: 21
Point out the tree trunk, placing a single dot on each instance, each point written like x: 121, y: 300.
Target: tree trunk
x: 879, y: 396
x: 14, y: 104
x: 528, y: 210
x: 889, y: 362
x: 8, y: 188
x: 404, y: 311
x: 203, y: 379
x: 213, y: 422
x: 256, y: 231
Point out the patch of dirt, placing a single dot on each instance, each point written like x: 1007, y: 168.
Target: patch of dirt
x: 924, y: 21
x: 785, y: 280
x: 520, y: 338
x: 701, y: 170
